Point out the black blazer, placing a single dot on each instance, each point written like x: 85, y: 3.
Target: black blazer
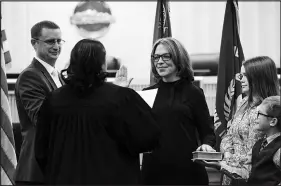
x: 32, y: 86
x: 180, y: 108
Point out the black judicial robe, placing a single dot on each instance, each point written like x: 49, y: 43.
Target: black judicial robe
x: 180, y: 108
x: 95, y: 139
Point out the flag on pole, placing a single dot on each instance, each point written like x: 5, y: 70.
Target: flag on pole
x: 8, y: 154
x: 230, y: 61
x: 162, y: 25
x: 4, y: 47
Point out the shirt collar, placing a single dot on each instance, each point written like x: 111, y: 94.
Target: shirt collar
x: 48, y: 67
x: 272, y: 137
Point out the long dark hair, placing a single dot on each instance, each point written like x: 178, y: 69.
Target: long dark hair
x: 261, y: 73
x: 85, y: 71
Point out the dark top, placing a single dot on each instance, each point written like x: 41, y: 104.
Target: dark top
x: 181, y: 109
x: 264, y: 171
x: 96, y: 139
x: 32, y: 86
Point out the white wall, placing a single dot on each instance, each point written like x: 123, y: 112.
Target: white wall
x: 198, y: 25
x: 260, y: 29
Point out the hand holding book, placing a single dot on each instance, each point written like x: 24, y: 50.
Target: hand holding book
x: 207, y: 156
x: 213, y: 164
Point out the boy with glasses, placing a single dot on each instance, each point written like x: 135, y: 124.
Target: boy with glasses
x: 266, y: 153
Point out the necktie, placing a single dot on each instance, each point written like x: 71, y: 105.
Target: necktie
x: 263, y: 145
x: 56, y: 79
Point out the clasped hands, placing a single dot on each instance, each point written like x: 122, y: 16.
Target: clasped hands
x: 121, y: 77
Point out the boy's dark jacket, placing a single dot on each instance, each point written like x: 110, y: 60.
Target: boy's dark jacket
x: 264, y: 171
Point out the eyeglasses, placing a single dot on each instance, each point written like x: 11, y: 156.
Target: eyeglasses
x: 165, y: 57
x: 51, y: 42
x: 259, y: 113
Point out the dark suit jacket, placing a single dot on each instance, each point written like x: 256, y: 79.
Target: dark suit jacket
x: 32, y: 86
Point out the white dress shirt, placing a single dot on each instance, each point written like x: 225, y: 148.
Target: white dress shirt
x: 51, y: 70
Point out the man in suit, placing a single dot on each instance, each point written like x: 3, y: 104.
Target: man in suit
x: 32, y: 86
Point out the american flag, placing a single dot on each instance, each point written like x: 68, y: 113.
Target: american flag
x: 8, y: 154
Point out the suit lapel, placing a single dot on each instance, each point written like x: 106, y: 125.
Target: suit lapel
x: 266, y: 150
x: 40, y: 67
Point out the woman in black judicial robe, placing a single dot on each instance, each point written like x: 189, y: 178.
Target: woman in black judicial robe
x: 181, y: 109
x: 90, y: 131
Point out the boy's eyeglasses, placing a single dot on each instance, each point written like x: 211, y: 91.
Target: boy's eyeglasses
x: 51, y: 42
x: 165, y: 57
x: 269, y: 116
